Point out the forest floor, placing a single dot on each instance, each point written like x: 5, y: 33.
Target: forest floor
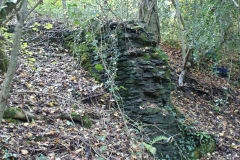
x: 48, y: 82
x: 210, y: 104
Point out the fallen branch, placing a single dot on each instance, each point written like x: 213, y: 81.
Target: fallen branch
x: 19, y: 114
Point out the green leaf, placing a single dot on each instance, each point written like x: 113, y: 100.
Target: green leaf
x: 158, y: 138
x: 37, y: 24
x: 24, y: 45
x: 32, y: 59
x: 48, y: 26
x: 98, y: 67
x: 122, y: 87
x: 35, y: 29
x: 150, y: 148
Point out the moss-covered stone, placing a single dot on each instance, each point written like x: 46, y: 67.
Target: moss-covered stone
x: 83, y: 119
x: 11, y: 112
x: 143, y: 37
x: 86, y: 122
x: 147, y: 56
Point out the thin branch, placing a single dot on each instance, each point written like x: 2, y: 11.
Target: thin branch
x: 119, y: 18
x: 235, y: 3
x: 34, y: 7
x: 181, y: 19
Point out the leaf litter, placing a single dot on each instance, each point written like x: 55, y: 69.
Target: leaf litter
x: 49, y: 82
x: 209, y: 104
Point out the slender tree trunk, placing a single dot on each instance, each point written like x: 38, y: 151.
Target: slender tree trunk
x: 182, y: 31
x: 178, y: 13
x: 64, y: 5
x: 13, y: 60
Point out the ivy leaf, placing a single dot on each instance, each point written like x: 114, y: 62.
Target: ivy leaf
x: 150, y: 148
x: 98, y: 67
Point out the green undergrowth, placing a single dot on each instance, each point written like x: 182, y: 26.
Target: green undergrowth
x: 197, y: 143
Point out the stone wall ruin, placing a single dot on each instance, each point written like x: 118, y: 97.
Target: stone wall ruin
x: 142, y: 75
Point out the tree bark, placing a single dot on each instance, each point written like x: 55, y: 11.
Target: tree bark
x: 179, y: 13
x: 4, y: 12
x: 13, y: 60
x: 4, y: 60
x: 148, y: 12
x: 184, y: 70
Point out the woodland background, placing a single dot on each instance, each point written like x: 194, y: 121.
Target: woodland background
x: 44, y: 116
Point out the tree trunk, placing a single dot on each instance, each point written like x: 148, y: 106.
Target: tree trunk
x: 13, y: 60
x: 4, y: 12
x: 148, y: 12
x: 64, y: 5
x: 19, y: 114
x: 182, y: 30
x: 184, y: 69
x: 3, y: 57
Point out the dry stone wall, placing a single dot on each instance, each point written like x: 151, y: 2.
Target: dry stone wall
x: 142, y: 75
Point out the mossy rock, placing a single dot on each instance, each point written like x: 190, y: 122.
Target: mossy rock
x: 11, y: 112
x: 147, y: 56
x: 82, y: 119
x: 18, y: 114
x: 86, y: 122
x: 143, y: 37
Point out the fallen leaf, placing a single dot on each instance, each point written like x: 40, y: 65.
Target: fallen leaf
x: 24, y: 152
